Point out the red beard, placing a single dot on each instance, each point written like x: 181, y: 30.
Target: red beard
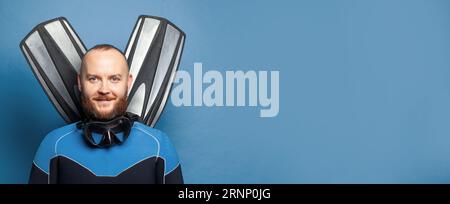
x: 119, y: 109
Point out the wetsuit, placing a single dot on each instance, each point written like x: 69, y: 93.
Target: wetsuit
x: 147, y: 156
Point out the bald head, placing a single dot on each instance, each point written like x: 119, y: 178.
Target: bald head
x: 104, y: 81
x: 105, y: 54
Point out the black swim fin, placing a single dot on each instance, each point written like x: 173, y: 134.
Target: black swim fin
x: 153, y: 53
x: 54, y: 52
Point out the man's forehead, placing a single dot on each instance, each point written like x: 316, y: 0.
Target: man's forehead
x: 108, y: 71
x: 109, y: 61
x: 112, y: 54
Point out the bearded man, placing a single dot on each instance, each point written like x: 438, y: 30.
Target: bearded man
x: 109, y: 145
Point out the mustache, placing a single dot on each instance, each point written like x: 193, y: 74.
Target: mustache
x: 104, y: 98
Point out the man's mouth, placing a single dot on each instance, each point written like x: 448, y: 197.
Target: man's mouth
x: 103, y: 100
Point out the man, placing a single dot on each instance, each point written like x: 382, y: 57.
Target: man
x: 109, y: 145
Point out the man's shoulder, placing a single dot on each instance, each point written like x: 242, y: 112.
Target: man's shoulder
x: 167, y: 150
x: 47, y: 149
x: 151, y: 132
x: 52, y: 137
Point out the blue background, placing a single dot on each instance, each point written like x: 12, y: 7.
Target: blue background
x: 364, y: 87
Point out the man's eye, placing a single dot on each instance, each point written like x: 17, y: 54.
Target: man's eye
x: 92, y: 79
x: 115, y: 79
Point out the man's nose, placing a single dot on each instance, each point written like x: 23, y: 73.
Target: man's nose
x: 104, y: 88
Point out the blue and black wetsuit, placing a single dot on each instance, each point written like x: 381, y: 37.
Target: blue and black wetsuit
x: 147, y: 156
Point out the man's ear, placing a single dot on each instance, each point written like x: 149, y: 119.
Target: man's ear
x: 130, y: 79
x: 79, y: 82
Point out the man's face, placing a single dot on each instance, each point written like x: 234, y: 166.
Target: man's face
x: 104, y: 84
